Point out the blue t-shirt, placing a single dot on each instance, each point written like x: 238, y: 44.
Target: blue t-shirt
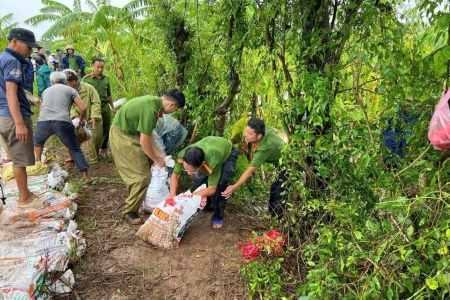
x: 13, y: 69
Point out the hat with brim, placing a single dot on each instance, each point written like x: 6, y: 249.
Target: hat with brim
x: 25, y: 36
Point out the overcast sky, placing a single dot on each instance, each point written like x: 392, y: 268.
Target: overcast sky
x: 24, y: 9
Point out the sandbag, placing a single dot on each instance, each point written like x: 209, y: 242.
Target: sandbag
x: 170, y: 219
x: 158, y: 190
x: 38, y: 169
x: 439, y: 130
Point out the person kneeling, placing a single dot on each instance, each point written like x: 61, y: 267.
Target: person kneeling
x: 212, y: 159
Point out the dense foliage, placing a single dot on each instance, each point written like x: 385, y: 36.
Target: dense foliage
x: 332, y: 75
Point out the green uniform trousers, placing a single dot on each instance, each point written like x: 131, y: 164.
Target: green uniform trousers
x: 133, y: 166
x: 95, y: 142
x: 106, y: 118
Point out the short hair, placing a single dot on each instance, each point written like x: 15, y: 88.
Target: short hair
x: 39, y: 60
x: 58, y: 77
x: 257, y: 125
x: 194, y: 156
x: 95, y: 59
x: 177, y: 96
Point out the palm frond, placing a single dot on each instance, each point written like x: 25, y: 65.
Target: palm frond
x: 36, y: 20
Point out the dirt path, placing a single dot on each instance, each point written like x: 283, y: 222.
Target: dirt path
x: 118, y: 265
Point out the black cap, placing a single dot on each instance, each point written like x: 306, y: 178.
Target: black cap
x: 23, y: 35
x: 58, y: 50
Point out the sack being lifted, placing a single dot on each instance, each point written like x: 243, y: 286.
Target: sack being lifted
x: 168, y: 222
x: 158, y: 190
x: 439, y: 131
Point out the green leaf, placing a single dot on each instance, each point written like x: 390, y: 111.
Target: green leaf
x: 390, y: 294
x: 310, y: 263
x: 410, y: 230
x: 414, y: 270
x: 447, y: 233
x: 443, y: 250
x: 303, y: 298
x: 357, y: 234
x: 432, y: 283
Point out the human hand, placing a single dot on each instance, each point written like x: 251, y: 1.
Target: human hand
x: 160, y: 162
x: 82, y: 123
x: 21, y: 132
x: 92, y: 121
x: 229, y: 191
x: 113, y: 110
x: 79, y: 71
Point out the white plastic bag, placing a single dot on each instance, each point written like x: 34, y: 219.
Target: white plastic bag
x: 439, y: 131
x: 119, y: 102
x: 158, y: 190
x: 168, y: 222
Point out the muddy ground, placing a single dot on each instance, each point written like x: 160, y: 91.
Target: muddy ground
x: 118, y: 265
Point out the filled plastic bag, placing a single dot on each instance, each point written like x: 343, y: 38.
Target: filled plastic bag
x: 439, y: 131
x: 158, y: 190
x: 168, y: 222
x: 83, y: 133
x: 169, y: 134
x: 38, y: 169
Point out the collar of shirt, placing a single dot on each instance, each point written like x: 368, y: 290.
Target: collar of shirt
x: 17, y: 56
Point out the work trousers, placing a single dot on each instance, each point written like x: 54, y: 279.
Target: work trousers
x: 133, y: 166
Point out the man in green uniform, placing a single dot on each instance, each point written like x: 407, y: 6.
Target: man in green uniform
x: 103, y: 87
x: 91, y: 100
x: 132, y: 143
x: 267, y: 150
x: 212, y: 159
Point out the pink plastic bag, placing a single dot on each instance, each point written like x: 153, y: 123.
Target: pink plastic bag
x: 439, y: 131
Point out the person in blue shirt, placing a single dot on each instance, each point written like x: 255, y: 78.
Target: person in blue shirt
x: 16, y: 126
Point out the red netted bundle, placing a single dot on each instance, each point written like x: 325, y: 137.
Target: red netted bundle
x: 249, y: 250
x: 273, y: 240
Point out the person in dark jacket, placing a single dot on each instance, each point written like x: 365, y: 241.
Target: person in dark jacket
x: 41, y: 54
x: 29, y: 76
x: 74, y: 61
x: 43, y: 76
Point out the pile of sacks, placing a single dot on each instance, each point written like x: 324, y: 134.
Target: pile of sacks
x: 37, y: 243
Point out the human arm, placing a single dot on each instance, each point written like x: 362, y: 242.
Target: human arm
x: 174, y: 180
x: 244, y: 177
x: 96, y: 110
x: 209, y: 191
x: 81, y: 64
x: 148, y: 144
x: 111, y: 104
x: 14, y: 108
x: 82, y: 108
x: 110, y: 100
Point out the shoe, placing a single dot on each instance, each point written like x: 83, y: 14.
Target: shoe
x: 217, y: 224
x: 69, y: 160
x: 133, y: 219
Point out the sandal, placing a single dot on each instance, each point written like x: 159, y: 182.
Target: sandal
x: 133, y: 219
x: 35, y: 204
x: 217, y: 224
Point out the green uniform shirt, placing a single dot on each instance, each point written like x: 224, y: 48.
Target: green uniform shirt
x: 91, y: 100
x: 73, y: 63
x: 268, y: 149
x: 139, y: 115
x: 217, y: 150
x: 102, y: 86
